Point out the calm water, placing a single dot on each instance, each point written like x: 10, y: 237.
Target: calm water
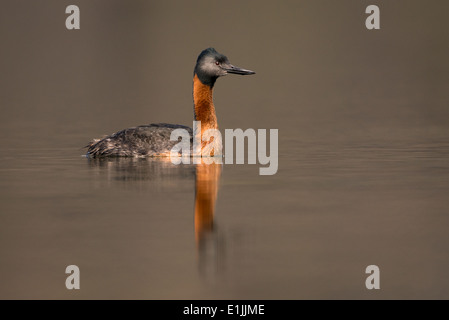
x: 148, y: 229
x: 363, y: 151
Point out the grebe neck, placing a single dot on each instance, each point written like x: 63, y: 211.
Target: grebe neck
x: 204, y: 109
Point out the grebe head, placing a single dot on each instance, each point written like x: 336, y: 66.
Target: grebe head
x: 210, y: 65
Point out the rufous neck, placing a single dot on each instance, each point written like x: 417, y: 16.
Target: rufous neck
x: 204, y: 105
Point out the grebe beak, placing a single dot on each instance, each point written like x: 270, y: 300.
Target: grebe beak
x: 236, y: 70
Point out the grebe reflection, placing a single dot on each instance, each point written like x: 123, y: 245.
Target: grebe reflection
x: 209, y: 244
x: 161, y: 174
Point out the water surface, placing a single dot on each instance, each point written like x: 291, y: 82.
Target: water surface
x: 363, y: 173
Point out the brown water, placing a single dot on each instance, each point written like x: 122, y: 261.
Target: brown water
x: 363, y: 152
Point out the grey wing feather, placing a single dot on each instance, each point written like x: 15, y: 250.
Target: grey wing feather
x: 147, y: 140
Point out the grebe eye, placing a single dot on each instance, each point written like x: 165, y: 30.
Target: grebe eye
x: 217, y: 63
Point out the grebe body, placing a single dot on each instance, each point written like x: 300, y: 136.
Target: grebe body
x: 153, y: 140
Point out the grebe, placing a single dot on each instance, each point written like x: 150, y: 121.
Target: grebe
x: 153, y: 140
